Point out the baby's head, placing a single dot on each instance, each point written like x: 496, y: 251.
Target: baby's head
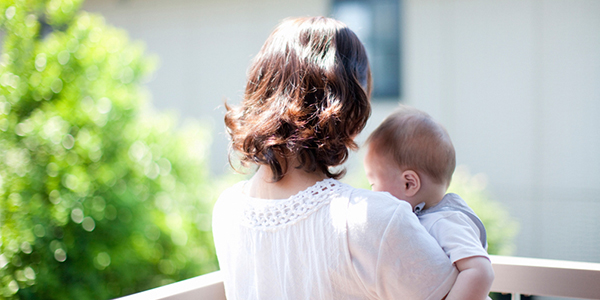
x: 411, y: 156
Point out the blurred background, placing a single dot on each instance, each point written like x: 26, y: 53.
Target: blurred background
x: 516, y: 83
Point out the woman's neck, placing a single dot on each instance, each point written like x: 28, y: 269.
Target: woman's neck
x: 261, y: 185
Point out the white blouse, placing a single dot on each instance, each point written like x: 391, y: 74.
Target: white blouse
x: 330, y: 241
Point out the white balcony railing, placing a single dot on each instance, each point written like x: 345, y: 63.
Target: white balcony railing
x: 546, y: 277
x: 514, y: 275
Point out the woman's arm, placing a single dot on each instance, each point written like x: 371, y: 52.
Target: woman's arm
x: 393, y: 254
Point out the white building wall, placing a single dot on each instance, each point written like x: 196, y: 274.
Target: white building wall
x: 516, y: 83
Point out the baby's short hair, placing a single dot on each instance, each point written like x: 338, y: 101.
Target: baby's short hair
x: 307, y: 97
x: 414, y: 140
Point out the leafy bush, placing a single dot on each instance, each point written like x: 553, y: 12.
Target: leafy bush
x: 98, y: 196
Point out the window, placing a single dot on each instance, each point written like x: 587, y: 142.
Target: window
x: 377, y: 24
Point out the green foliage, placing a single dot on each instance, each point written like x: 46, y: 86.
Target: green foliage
x: 98, y: 197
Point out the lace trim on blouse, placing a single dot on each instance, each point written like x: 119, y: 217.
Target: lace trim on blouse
x: 296, y: 208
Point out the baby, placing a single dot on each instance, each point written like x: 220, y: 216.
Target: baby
x: 412, y: 157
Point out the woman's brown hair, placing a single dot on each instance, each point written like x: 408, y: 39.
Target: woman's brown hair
x: 307, y: 97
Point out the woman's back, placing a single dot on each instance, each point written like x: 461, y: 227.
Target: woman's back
x: 306, y: 99
x: 330, y: 241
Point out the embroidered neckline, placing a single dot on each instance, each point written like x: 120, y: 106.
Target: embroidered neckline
x: 280, y: 213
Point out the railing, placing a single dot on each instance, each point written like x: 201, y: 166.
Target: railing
x: 205, y: 287
x: 545, y: 277
x: 514, y: 275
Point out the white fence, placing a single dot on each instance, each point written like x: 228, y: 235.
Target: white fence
x: 514, y: 275
x: 546, y: 277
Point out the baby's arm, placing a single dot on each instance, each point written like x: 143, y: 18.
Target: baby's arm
x: 474, y: 279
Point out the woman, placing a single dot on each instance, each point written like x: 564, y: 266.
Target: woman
x: 293, y: 231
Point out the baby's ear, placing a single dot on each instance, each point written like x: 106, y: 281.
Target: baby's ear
x: 412, y: 182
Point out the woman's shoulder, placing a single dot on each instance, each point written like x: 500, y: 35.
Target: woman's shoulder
x: 228, y: 197
x: 233, y: 191
x: 370, y: 214
x: 378, y: 204
x: 368, y: 195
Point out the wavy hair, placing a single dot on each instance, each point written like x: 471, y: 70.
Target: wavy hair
x: 306, y: 98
